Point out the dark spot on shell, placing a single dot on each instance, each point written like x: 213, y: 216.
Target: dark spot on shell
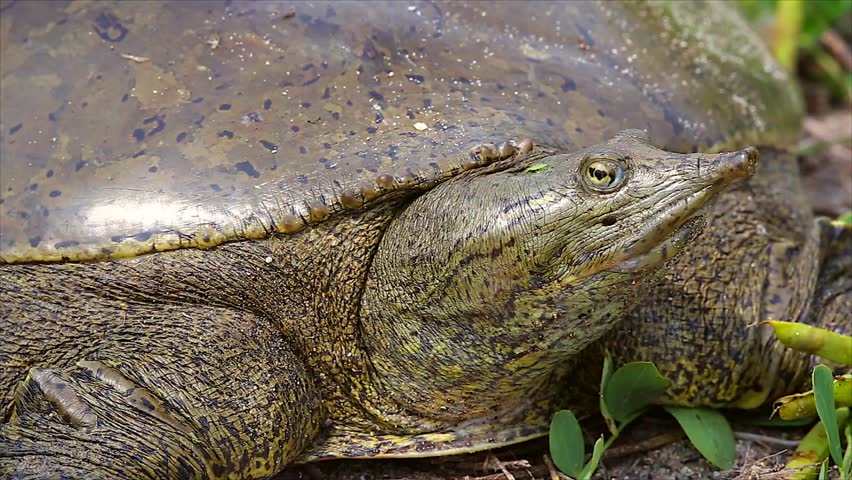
x: 109, y: 28
x: 371, y: 129
x: 302, y: 179
x: 427, y: 103
x: 199, y: 121
x: 35, y: 241
x: 578, y: 130
x: 139, y: 153
x: 416, y: 78
x: 161, y: 124
x: 294, y: 128
x: 499, y: 86
x: 335, y: 115
x: 410, y: 115
x: 117, y: 238
x: 153, y: 169
x: 307, y: 67
x: 14, y: 129
x: 369, y: 51
x: 306, y: 105
x: 311, y: 81
x: 601, y: 113
x: 24, y: 215
x: 225, y: 133
x: 587, y: 38
x: 84, y: 104
x: 327, y: 93
x: 225, y: 106
x: 142, y: 237
x: 33, y: 187
x: 52, y: 117
x: 326, y: 145
x: 376, y: 96
x: 266, y: 104
x: 125, y: 97
x: 66, y: 244
x: 269, y: 146
x: 203, y: 422
x: 49, y: 173
x: 198, y: 100
x: 215, y: 187
x: 221, y: 87
x: 55, y: 193
x: 248, y: 169
x: 181, y: 137
x: 550, y: 122
x: 139, y: 134
x: 80, y: 164
x: 303, y: 150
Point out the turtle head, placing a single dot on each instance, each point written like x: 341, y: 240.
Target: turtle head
x: 496, y: 276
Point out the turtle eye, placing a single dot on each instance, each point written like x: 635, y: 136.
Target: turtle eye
x: 603, y: 174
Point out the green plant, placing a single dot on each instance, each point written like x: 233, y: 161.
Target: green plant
x: 796, y: 27
x: 624, y: 395
x: 828, y: 394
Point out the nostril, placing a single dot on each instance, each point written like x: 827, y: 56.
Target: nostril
x: 609, y: 220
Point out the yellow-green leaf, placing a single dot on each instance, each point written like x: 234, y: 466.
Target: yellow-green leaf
x: 805, y: 338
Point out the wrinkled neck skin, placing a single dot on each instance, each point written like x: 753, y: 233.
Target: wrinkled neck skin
x: 481, y: 287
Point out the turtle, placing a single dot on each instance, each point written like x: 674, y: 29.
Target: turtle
x: 239, y: 236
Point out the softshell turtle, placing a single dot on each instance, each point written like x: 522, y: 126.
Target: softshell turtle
x: 237, y: 236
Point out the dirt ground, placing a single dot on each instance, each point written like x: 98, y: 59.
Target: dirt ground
x: 653, y: 448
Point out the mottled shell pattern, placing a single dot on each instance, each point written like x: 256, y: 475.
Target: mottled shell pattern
x: 135, y: 127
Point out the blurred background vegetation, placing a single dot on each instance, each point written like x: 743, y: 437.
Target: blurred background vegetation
x: 811, y: 38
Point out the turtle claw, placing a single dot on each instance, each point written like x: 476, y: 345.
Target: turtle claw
x: 48, y: 391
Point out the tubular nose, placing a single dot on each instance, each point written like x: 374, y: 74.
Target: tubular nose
x: 739, y: 164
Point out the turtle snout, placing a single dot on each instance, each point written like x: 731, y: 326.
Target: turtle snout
x: 740, y: 164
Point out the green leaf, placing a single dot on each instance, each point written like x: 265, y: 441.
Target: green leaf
x: 566, y: 443
x: 823, y: 381
x: 590, y: 467
x: 709, y: 432
x: 633, y: 387
x: 823, y: 470
x: 537, y: 167
x: 845, y: 218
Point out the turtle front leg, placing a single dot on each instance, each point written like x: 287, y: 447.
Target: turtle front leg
x: 216, y: 394
x: 831, y: 307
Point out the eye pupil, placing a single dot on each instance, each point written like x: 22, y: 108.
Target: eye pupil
x: 604, y: 174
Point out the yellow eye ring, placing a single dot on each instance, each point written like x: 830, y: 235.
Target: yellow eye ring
x: 603, y: 174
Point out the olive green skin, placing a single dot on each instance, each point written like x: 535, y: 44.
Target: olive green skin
x: 306, y: 332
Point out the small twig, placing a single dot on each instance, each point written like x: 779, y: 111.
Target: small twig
x: 766, y: 439
x: 551, y: 469
x: 494, y: 463
x: 837, y: 48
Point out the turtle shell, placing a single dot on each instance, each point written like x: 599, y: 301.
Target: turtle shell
x: 135, y: 127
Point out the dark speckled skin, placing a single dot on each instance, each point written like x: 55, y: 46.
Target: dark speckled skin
x: 389, y: 278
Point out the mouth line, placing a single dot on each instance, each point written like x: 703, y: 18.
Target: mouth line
x: 669, y: 248
x: 667, y: 236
